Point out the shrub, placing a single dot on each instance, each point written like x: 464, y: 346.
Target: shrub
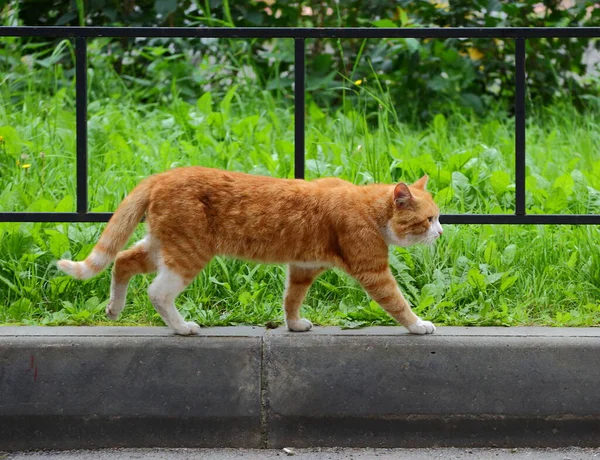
x: 421, y: 77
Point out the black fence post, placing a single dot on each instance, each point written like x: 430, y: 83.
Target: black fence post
x: 520, y: 207
x: 81, y: 120
x: 300, y: 110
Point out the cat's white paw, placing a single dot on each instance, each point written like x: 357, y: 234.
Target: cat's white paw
x: 188, y: 328
x: 111, y: 311
x: 300, y: 325
x: 421, y: 327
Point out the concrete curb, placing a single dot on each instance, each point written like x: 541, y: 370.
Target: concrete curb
x: 85, y: 387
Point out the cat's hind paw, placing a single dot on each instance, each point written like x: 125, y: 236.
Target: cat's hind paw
x: 421, y: 327
x: 299, y: 325
x: 111, y: 311
x: 188, y: 328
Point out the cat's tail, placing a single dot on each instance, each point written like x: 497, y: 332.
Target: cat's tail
x: 116, y: 234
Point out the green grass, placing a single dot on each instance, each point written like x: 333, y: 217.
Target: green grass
x: 476, y: 275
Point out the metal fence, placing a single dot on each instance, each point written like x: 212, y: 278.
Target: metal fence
x: 300, y: 35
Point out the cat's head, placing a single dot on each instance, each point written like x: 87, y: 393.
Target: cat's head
x: 415, y: 216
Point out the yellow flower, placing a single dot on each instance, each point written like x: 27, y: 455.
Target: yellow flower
x: 358, y: 82
x: 1, y: 139
x: 475, y: 54
x: 25, y: 166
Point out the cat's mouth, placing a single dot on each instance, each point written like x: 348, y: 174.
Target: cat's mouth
x: 429, y: 240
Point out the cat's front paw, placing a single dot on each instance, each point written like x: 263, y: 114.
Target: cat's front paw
x: 421, y: 327
x: 188, y: 328
x: 299, y: 325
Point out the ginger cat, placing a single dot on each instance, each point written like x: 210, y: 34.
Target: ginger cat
x: 196, y: 213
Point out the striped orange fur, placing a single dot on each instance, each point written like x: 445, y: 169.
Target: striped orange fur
x: 195, y: 213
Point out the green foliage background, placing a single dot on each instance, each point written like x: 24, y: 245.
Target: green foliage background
x: 423, y: 77
x: 377, y: 110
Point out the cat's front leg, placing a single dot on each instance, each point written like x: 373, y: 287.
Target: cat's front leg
x: 382, y: 287
x: 421, y: 327
x: 297, y: 283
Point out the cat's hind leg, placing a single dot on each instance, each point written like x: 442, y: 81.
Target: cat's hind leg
x: 171, y: 280
x: 127, y: 264
x: 297, y: 283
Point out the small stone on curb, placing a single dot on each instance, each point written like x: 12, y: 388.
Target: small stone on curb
x: 289, y: 451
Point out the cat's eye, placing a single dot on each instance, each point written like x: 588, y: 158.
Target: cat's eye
x: 430, y: 219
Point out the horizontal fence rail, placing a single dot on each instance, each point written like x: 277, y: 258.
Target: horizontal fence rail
x: 300, y: 35
x: 299, y: 32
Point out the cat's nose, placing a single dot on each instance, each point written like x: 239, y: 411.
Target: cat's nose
x: 440, y: 231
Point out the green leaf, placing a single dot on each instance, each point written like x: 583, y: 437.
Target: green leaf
x: 58, y: 244
x: 10, y: 284
x: 426, y: 302
x: 439, y: 123
x: 508, y: 256
x: 322, y: 63
x: 500, y: 181
x: 508, y: 282
x: 491, y: 252
x: 91, y: 303
x: 444, y: 196
x: 67, y: 204
x: 41, y: 205
x: 315, y: 112
x: 573, y: 259
x: 204, y: 104
x: 82, y: 316
x: 12, y: 139
x: 384, y: 23
x: 473, y: 101
x: 20, y: 309
x: 424, y: 163
x: 403, y: 17
x: 565, y: 183
x: 460, y: 182
x: 493, y: 277
x: 412, y: 44
x: 226, y: 102
x: 557, y: 201
x: 476, y: 279
x: 245, y: 298
x: 457, y: 161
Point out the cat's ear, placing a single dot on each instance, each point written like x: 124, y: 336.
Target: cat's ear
x: 421, y: 183
x: 402, y: 195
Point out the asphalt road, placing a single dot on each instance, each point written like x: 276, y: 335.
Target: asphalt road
x: 312, y: 454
